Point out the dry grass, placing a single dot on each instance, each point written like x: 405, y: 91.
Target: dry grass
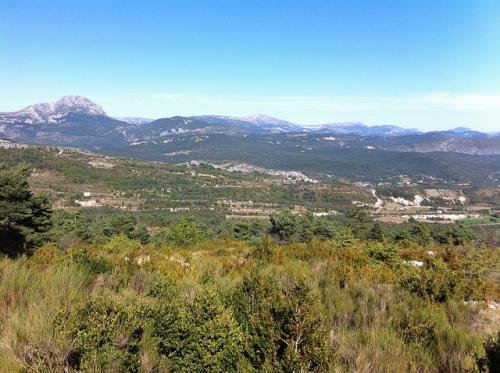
x: 30, y: 301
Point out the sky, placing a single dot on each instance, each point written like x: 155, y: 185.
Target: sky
x: 429, y: 64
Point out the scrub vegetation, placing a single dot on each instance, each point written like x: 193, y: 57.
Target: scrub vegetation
x: 110, y: 292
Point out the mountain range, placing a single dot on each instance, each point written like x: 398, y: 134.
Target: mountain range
x: 67, y: 108
x: 353, y: 149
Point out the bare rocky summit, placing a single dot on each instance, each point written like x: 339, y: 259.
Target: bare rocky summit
x: 53, y: 112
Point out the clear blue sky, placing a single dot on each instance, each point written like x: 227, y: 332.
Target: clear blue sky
x: 424, y: 63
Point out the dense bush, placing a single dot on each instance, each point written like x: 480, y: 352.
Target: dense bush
x: 342, y: 304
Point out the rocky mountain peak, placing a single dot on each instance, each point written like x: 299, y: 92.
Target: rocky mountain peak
x: 264, y: 119
x: 78, y: 104
x: 53, y: 112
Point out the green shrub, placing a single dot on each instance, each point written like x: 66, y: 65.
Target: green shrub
x: 283, y: 332
x: 92, y: 263
x: 105, y: 335
x: 198, y: 334
x: 385, y: 254
x: 185, y: 233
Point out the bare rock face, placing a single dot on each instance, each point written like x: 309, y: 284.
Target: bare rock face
x: 53, y: 112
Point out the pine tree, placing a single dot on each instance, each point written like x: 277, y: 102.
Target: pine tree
x: 24, y: 217
x: 377, y: 232
x: 421, y: 232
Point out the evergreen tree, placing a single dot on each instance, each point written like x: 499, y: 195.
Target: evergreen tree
x: 344, y: 237
x: 358, y: 220
x: 283, y: 225
x: 421, y: 233
x: 377, y: 232
x: 24, y: 217
x: 185, y: 233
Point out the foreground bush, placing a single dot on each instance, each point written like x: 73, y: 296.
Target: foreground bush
x: 223, y: 305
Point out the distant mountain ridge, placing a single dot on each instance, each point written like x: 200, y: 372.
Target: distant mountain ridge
x: 476, y: 143
x: 77, y: 121
x: 135, y: 120
x: 259, y: 122
x: 363, y: 129
x: 58, y: 111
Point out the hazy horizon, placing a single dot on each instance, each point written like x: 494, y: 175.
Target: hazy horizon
x: 425, y: 65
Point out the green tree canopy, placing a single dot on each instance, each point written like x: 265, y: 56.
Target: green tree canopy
x: 284, y: 225
x: 376, y: 233
x: 24, y: 217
